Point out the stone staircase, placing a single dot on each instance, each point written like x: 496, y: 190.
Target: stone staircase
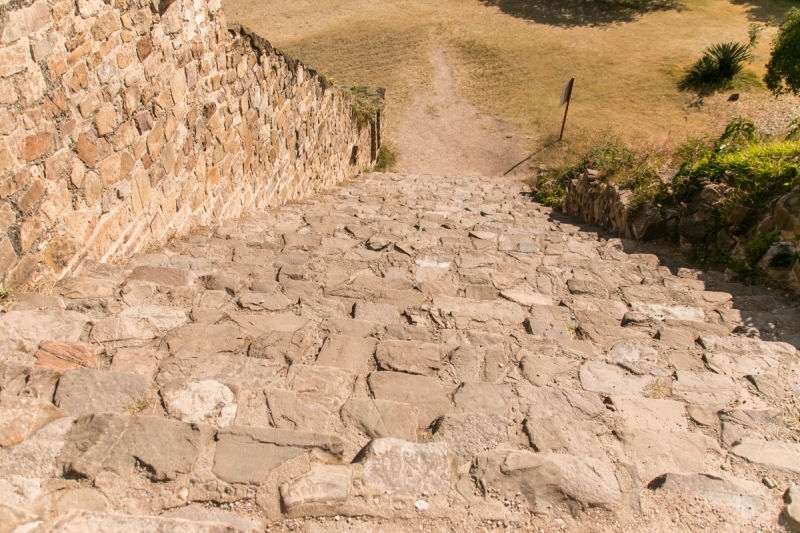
x: 403, y: 353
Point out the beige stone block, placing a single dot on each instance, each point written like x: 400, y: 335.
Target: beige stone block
x: 109, y: 169
x: 140, y: 191
x: 32, y: 87
x: 21, y: 22
x: 105, y: 25
x: 7, y: 217
x: 30, y: 230
x: 144, y: 48
x: 8, y: 93
x: 35, y: 146
x: 212, y: 178
x: 31, y: 196
x: 58, y: 164
x: 42, y: 48
x: 92, y: 187
x: 58, y: 254
x: 106, y: 120
x: 21, y: 274
x: 7, y: 159
x: 124, y: 58
x: 90, y: 104
x: 178, y: 85
x: 87, y: 150
x: 7, y: 255
x: 79, y: 224
x: 77, y: 173
x: 58, y: 200
x: 57, y: 66
x: 12, y: 184
x: 155, y: 141
x: 125, y: 135
x: 170, y: 127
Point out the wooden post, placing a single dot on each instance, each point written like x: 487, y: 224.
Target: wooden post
x: 566, y: 96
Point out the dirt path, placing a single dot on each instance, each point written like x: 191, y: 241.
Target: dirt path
x: 444, y: 134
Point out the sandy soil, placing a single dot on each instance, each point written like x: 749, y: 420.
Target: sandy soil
x: 442, y: 133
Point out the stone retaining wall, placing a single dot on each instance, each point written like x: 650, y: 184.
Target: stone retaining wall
x: 127, y: 122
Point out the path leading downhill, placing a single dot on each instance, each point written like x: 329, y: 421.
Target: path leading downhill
x: 442, y: 133
x: 404, y: 353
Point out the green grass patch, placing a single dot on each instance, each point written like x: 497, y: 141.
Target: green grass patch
x: 386, y: 160
x: 758, y: 245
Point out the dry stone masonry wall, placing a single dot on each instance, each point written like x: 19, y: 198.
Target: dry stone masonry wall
x: 127, y: 122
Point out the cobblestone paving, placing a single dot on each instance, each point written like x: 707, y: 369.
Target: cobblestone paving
x: 404, y: 353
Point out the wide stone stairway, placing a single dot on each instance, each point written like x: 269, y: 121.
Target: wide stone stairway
x: 404, y: 353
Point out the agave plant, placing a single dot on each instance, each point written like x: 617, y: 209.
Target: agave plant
x: 729, y: 57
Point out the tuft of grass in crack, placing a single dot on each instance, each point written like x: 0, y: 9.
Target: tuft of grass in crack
x: 386, y: 160
x: 138, y: 406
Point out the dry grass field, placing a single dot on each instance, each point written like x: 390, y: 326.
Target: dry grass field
x: 511, y: 58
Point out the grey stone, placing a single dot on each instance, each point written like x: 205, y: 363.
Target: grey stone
x: 374, y: 312
x: 409, y: 356
x: 79, y: 521
x: 32, y: 327
x: 482, y: 397
x: 348, y: 353
x: 657, y: 451
x: 548, y: 480
x: 197, y: 513
x: 423, y: 468
x: 247, y: 454
x: 322, y: 484
x: 381, y: 418
x: 83, y: 391
x: 118, y: 443
x: 422, y: 392
x: 467, y: 434
x: 783, y: 456
x: 748, y: 498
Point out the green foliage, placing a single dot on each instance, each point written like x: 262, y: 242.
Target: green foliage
x: 758, y: 245
x: 783, y: 68
x: 755, y: 32
x: 705, y: 257
x: 5, y: 292
x: 718, y: 66
x: 794, y: 130
x: 364, y: 105
x: 739, y: 133
x: 386, y: 159
x: 614, y: 163
x: 326, y: 81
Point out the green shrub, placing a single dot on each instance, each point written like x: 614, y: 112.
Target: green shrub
x: 718, y: 66
x: 758, y: 245
x: 783, y: 68
x: 386, y: 160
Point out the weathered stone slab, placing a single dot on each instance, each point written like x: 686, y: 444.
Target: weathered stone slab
x: 567, y: 434
x: 206, y: 402
x: 704, y: 388
x: 80, y: 287
x: 467, y: 434
x: 749, y: 499
x: 381, y: 418
x: 33, y: 327
x: 206, y: 339
x: 646, y: 413
x: 409, y: 356
x: 791, y: 512
x: 746, y: 346
x: 482, y: 397
x: 261, y: 301
x: 286, y: 411
x: 425, y: 467
x: 375, y: 312
x: 663, y: 312
x: 247, y: 454
x: 542, y: 370
x: 609, y: 379
x: 556, y: 403
x: 463, y: 313
x: 137, y: 360
x: 325, y: 385
x: 124, y: 331
x: 549, y: 480
x: 322, y: 484
x: 231, y: 370
x: 655, y: 452
x: 78, y: 521
x: 348, y: 353
x: 63, y: 356
x: 259, y: 324
x: 163, y: 319
x: 84, y: 392
x: 117, y: 443
x: 22, y: 417
x: 783, y: 456
x: 422, y: 392
x: 198, y: 513
x: 738, y: 424
x: 169, y: 277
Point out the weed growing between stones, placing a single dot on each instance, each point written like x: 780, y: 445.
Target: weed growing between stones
x: 387, y: 158
x: 5, y: 292
x: 138, y: 406
x: 366, y: 104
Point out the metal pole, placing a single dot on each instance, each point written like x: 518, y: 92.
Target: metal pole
x: 566, y: 96
x: 564, y: 122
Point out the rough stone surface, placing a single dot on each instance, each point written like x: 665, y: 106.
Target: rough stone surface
x: 398, y: 466
x: 381, y: 418
x: 322, y: 484
x: 22, y: 417
x: 422, y: 392
x: 468, y: 434
x: 207, y: 402
x: 746, y: 497
x: 84, y: 392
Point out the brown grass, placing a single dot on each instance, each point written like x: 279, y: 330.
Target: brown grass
x: 513, y: 56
